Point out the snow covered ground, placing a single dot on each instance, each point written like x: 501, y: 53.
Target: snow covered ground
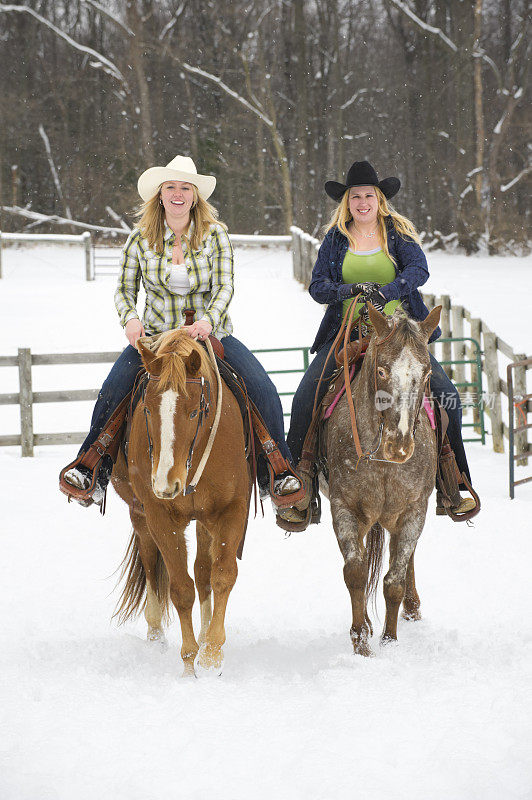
x: 91, y: 710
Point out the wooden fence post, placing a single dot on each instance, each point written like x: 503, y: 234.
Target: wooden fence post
x: 89, y: 271
x: 0, y: 254
x: 308, y: 260
x: 457, y: 315
x: 296, y: 253
x: 445, y: 323
x: 475, y: 334
x: 521, y: 439
x: 491, y: 366
x: 26, y: 401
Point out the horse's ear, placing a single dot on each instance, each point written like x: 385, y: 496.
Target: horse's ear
x: 152, y: 362
x: 378, y: 320
x: 193, y: 363
x: 430, y: 323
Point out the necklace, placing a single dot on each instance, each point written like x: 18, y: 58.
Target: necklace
x: 366, y: 235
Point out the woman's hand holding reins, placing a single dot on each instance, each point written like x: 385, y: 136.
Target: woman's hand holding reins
x: 376, y: 299
x: 199, y: 330
x: 134, y: 329
x: 370, y: 293
x: 364, y: 288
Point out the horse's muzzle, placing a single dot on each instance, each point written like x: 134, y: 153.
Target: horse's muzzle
x: 399, y: 451
x: 166, y: 492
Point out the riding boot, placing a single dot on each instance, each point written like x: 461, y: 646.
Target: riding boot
x: 85, y: 479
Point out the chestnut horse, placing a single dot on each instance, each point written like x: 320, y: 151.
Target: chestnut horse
x: 170, y: 432
x: 389, y: 486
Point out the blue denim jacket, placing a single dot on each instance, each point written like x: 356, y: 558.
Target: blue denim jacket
x: 326, y: 285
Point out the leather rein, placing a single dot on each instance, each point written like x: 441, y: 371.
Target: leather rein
x: 369, y: 455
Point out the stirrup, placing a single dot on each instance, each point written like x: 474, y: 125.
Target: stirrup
x: 458, y: 508
x: 464, y: 505
x: 81, y: 494
x: 300, y: 521
x: 92, y: 490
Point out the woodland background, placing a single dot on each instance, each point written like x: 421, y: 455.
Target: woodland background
x: 273, y: 98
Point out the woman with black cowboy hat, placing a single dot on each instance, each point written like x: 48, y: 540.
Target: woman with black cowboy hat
x: 183, y: 256
x: 372, y: 249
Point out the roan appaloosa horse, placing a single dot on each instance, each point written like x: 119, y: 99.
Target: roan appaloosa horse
x: 169, y: 435
x: 390, y: 485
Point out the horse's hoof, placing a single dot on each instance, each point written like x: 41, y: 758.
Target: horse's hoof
x: 360, y: 643
x: 155, y: 636
x: 387, y: 641
x: 363, y: 650
x: 209, y: 661
x: 188, y: 670
x: 411, y: 614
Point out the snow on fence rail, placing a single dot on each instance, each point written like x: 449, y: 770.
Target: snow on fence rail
x: 456, y: 323
x: 84, y: 239
x: 105, y: 260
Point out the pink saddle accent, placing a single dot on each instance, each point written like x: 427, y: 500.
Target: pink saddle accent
x: 338, y: 396
x: 430, y: 412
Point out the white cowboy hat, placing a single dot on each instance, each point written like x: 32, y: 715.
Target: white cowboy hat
x: 180, y: 168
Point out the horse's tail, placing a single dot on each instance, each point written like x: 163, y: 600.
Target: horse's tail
x: 132, y: 599
x: 375, y: 548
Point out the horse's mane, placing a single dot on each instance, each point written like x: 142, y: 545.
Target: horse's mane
x: 174, y: 348
x: 407, y: 333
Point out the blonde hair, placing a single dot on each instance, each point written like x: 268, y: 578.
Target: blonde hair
x: 342, y: 217
x: 151, y: 220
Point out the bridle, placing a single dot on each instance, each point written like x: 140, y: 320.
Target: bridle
x: 369, y: 455
x: 201, y: 412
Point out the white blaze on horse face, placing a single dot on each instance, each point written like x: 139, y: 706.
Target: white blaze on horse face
x: 406, y: 374
x: 166, y: 451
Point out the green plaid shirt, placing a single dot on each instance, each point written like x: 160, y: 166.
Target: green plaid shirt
x: 210, y: 272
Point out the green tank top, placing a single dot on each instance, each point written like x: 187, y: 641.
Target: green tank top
x: 374, y: 267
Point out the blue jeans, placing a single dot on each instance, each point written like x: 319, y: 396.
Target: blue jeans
x: 262, y: 391
x: 442, y: 388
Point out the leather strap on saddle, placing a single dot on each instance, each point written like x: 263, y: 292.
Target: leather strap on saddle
x: 354, y: 351
x: 106, y: 444
x: 277, y: 463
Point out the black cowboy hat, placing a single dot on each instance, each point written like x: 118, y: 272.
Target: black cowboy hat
x: 361, y: 173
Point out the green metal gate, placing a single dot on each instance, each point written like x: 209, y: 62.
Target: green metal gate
x: 305, y: 354
x: 470, y: 391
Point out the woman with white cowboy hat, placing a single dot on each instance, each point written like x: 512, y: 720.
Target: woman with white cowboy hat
x: 183, y: 256
x: 368, y: 248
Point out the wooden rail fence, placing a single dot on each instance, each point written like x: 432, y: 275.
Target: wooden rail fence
x: 25, y: 398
